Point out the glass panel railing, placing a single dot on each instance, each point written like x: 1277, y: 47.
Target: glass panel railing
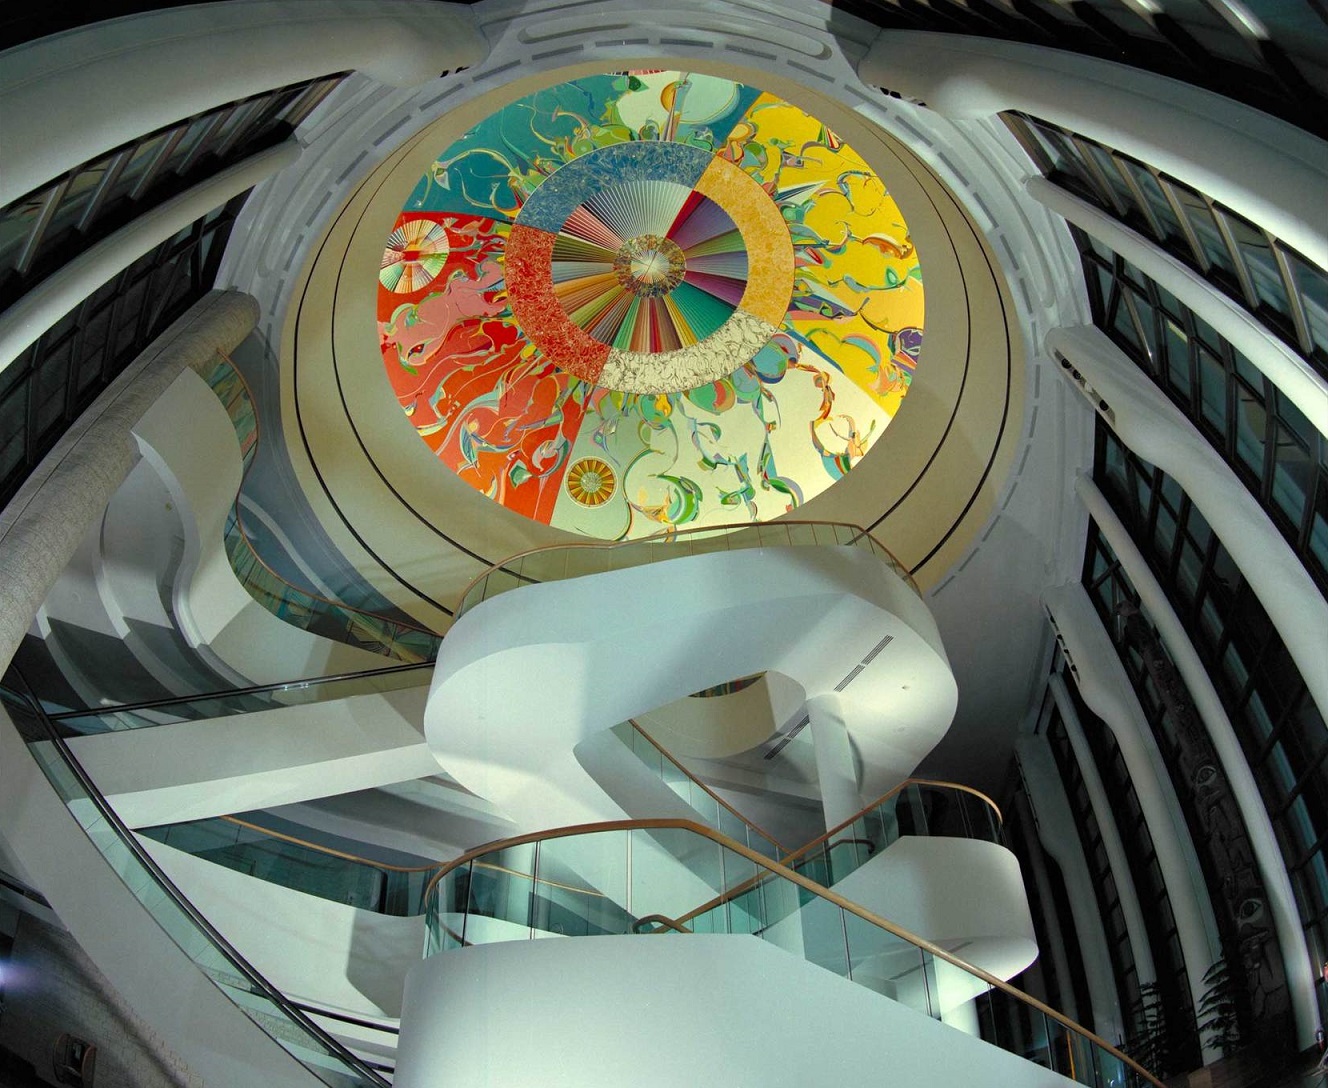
x: 220, y: 704
x: 916, y: 807
x: 336, y: 620
x: 313, y: 868
x: 559, y: 562
x: 634, y: 878
x: 323, y: 1056
x: 321, y: 615
x: 712, y: 809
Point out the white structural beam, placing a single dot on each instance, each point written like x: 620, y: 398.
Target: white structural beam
x: 836, y: 767
x: 69, y: 98
x: 1296, y: 959
x: 1286, y: 369
x: 1156, y: 430
x: 56, y: 295
x: 192, y: 770
x: 1055, y: 824
x: 1106, y: 689
x: 1266, y: 169
x: 1121, y: 876
x: 1051, y: 922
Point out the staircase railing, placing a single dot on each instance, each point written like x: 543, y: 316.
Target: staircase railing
x: 715, y: 811
x: 386, y: 888
x: 246, y: 700
x: 321, y: 615
x: 252, y: 994
x: 643, y: 867
x: 556, y: 562
x: 917, y: 806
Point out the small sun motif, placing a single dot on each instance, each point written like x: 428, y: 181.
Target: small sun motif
x: 416, y: 252
x: 591, y: 482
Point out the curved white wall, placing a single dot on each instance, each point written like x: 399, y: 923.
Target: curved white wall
x: 669, y: 1012
x: 524, y: 677
x: 202, y: 469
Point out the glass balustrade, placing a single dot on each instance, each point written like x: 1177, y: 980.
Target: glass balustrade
x: 312, y: 868
x: 336, y: 620
x: 576, y: 560
x: 711, y: 809
x: 321, y: 615
x: 917, y: 807
x: 674, y: 877
x: 240, y: 701
x: 325, y: 1058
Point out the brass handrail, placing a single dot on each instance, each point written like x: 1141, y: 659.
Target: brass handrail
x: 711, y: 793
x: 488, y: 847
x: 776, y: 869
x: 661, y: 919
x: 332, y: 851
x: 884, y: 798
x: 670, y: 535
x: 239, y: 524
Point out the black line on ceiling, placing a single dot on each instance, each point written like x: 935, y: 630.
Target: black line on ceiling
x: 299, y: 415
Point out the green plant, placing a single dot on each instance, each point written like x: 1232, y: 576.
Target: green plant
x: 1149, y: 1043
x: 1218, y: 1013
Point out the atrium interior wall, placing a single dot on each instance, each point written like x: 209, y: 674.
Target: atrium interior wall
x: 975, y: 488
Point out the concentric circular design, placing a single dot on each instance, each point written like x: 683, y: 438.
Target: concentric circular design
x: 416, y: 252
x: 591, y: 482
x: 627, y: 268
x: 653, y: 299
x: 649, y: 266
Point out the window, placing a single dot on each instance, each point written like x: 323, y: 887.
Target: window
x: 43, y: 231
x: 51, y: 383
x: 1278, y: 286
x: 1282, y: 734
x: 1258, y: 431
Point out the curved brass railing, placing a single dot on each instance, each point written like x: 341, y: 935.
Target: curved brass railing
x: 294, y: 604
x: 796, y: 860
x: 889, y: 795
x: 778, y: 850
x: 773, y: 871
x: 670, y: 544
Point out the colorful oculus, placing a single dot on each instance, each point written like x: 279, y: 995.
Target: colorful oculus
x: 648, y: 299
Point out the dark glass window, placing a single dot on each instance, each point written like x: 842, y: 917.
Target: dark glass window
x: 1287, y: 293
x: 1259, y: 432
x: 43, y: 231
x: 52, y: 382
x: 1099, y: 867
x: 1282, y: 733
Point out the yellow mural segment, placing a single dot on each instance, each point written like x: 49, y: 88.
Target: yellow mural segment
x: 764, y: 234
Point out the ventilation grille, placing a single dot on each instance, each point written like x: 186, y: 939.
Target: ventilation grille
x: 853, y: 674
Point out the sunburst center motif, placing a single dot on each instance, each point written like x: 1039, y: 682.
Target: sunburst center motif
x: 416, y: 253
x: 591, y: 482
x: 649, y: 266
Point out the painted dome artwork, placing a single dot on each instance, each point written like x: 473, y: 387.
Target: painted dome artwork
x: 643, y: 300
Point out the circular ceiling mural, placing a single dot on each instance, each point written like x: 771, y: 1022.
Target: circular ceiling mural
x: 650, y: 299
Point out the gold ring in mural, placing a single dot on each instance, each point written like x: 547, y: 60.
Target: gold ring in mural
x: 685, y: 279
